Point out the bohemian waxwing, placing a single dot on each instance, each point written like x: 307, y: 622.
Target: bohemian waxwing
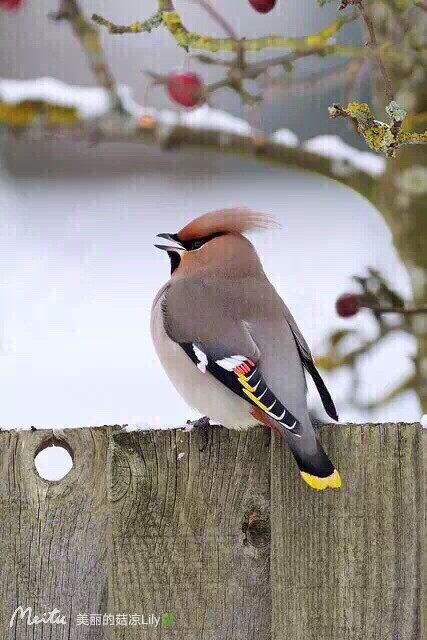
x: 228, y: 342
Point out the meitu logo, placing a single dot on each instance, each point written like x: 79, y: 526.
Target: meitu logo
x: 49, y: 617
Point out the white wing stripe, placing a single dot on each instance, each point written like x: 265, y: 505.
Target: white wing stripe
x: 288, y: 427
x: 201, y: 357
x: 231, y: 362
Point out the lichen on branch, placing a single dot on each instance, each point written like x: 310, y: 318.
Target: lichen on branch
x: 25, y: 113
x: 135, y: 27
x: 319, y: 42
x: 379, y: 136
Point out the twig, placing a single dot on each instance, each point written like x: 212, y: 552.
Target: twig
x: 237, y: 67
x: 380, y: 136
x: 136, y: 27
x: 205, y: 59
x: 332, y: 361
x: 316, y: 42
x: 88, y: 37
x: 400, y: 310
x: 252, y: 71
x: 210, y: 10
x: 322, y: 80
x: 379, y: 297
x: 372, y: 44
x: 238, y: 71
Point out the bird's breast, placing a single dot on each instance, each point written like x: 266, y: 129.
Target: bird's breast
x: 199, y: 390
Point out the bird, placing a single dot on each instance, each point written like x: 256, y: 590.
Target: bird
x: 228, y: 342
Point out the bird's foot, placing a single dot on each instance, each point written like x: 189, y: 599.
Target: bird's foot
x: 203, y: 424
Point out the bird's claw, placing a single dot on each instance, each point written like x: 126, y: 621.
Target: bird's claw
x: 203, y: 424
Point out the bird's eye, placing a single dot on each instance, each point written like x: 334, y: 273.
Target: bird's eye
x: 197, y: 244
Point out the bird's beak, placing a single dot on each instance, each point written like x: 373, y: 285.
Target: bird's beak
x: 177, y: 246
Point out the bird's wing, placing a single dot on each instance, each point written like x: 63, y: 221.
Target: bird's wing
x: 310, y: 367
x: 243, y: 376
x: 220, y: 344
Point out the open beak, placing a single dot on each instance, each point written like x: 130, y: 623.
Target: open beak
x: 172, y: 237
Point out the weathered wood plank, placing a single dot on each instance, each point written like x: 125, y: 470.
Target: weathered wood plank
x: 178, y: 543
x: 53, y: 535
x: 170, y: 529
x: 346, y: 565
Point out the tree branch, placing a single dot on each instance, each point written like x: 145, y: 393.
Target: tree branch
x: 400, y: 310
x: 380, y: 136
x: 191, y: 40
x: 322, y: 80
x: 332, y: 360
x: 136, y: 27
x: 372, y: 43
x: 213, y: 13
x: 89, y: 40
x: 37, y: 118
x: 317, y: 43
x: 238, y: 70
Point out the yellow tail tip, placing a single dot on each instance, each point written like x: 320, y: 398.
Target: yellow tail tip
x: 333, y: 481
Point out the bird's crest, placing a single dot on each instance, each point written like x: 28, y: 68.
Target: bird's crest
x: 236, y: 220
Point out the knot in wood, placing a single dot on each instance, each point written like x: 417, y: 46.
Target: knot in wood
x: 257, y: 530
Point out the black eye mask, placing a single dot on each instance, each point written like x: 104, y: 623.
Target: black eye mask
x: 197, y: 243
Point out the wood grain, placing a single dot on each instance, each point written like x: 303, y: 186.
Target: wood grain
x: 346, y: 565
x: 53, y: 535
x: 230, y: 540
x: 178, y: 521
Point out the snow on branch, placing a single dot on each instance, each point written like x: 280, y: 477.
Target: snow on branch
x: 345, y: 158
x: 90, y: 102
x: 50, y: 107
x: 87, y: 35
x: 380, y: 137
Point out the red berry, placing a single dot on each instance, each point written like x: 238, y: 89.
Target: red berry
x: 262, y: 6
x: 185, y: 88
x: 348, y: 305
x: 10, y: 5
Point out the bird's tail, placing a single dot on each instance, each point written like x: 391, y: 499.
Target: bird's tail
x: 316, y: 469
x: 314, y: 465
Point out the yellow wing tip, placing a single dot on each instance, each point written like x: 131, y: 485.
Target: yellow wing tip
x: 333, y: 481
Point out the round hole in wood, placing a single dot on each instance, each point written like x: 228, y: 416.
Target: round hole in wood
x: 53, y: 459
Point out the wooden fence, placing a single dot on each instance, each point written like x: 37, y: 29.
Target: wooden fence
x: 225, y: 544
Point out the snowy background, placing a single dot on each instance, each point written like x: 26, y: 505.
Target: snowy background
x: 79, y: 272
x: 78, y: 269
